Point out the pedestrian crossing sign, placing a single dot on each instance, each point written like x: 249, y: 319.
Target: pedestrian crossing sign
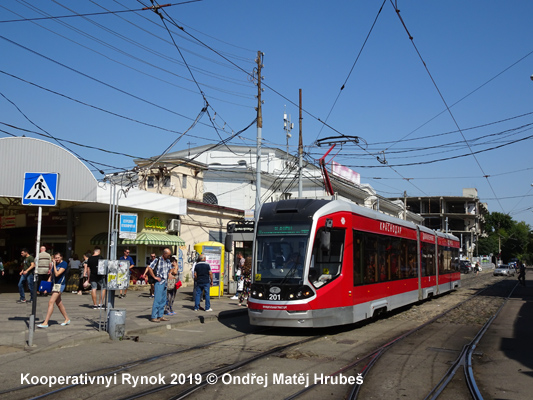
x: 40, y: 189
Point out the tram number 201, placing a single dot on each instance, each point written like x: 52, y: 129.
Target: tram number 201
x: 272, y: 296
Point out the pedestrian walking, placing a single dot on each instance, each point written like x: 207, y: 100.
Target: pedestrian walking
x: 58, y: 277
x: 247, y: 274
x: 148, y: 279
x: 239, y: 265
x: 171, y: 288
x: 26, y: 275
x: 522, y: 274
x: 204, y: 280
x: 97, y: 281
x: 476, y: 268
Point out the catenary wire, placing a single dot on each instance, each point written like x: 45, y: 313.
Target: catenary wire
x: 444, y: 100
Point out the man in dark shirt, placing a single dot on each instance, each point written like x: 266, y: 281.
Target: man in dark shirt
x: 95, y: 279
x: 204, y: 280
x: 26, y: 275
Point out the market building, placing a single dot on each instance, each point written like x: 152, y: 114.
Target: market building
x: 80, y: 218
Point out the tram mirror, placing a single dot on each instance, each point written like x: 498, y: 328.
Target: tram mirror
x: 228, y: 243
x: 325, y: 240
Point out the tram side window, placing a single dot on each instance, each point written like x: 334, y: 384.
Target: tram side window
x: 371, y: 258
x: 327, y: 265
x: 428, y: 259
x: 384, y: 247
x: 450, y: 256
x: 455, y: 259
x: 441, y: 260
x: 358, y: 252
x: 412, y: 261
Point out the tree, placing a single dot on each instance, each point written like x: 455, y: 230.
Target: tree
x: 513, y: 238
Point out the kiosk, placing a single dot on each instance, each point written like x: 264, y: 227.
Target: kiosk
x: 214, y: 255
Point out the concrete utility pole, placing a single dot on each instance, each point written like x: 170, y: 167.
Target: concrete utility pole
x: 259, y: 61
x: 300, y: 153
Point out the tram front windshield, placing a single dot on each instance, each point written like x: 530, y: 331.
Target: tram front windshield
x: 281, y: 254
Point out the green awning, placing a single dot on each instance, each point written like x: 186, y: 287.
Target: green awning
x: 155, y: 239
x: 150, y: 238
x: 100, y: 239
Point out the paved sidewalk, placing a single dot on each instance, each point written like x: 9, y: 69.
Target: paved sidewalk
x: 14, y: 318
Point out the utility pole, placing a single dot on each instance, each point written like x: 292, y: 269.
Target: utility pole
x: 287, y: 127
x: 300, y: 152
x: 259, y: 61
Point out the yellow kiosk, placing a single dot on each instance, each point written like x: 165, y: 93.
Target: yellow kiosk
x: 214, y: 256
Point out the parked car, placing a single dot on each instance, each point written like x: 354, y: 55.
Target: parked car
x: 504, y: 270
x: 465, y: 266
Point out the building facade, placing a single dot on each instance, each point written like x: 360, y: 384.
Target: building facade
x: 463, y: 216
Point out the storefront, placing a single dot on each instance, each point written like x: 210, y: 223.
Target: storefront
x: 80, y: 219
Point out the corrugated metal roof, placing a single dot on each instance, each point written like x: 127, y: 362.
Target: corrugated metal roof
x: 19, y: 155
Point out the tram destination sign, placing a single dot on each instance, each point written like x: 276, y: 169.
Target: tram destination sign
x: 283, y: 229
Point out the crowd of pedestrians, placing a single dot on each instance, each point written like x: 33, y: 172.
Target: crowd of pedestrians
x: 53, y: 274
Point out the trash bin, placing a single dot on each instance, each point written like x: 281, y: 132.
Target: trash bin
x: 117, y: 323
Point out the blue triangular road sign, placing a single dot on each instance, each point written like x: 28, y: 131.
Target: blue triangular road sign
x: 40, y: 189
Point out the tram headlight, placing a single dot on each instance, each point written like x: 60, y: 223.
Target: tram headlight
x: 291, y: 296
x: 259, y: 294
x: 304, y: 292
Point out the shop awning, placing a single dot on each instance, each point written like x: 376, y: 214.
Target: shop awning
x: 100, y: 239
x: 150, y: 238
x: 155, y: 239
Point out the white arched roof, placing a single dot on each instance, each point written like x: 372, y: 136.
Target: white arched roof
x: 19, y: 155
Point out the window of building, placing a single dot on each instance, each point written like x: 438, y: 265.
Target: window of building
x: 166, y: 181
x: 150, y: 182
x: 184, y: 181
x: 210, y: 198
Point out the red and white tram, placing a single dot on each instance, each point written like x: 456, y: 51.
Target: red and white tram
x: 321, y: 263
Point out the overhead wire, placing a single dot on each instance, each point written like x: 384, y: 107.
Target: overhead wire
x: 207, y: 105
x: 47, y: 133
x: 444, y: 100
x: 143, y: 16
x: 141, y: 60
x: 102, y: 109
x: 458, y: 101
x: 89, y: 14
x: 351, y: 70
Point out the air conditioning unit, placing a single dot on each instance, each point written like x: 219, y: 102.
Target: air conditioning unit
x: 174, y: 225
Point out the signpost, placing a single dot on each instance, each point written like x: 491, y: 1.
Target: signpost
x: 39, y: 189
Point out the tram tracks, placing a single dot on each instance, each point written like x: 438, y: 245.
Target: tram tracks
x: 263, y: 360
x: 358, y: 365
x: 117, y: 368
x: 463, y: 360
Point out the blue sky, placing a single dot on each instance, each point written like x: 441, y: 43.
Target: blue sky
x: 118, y: 83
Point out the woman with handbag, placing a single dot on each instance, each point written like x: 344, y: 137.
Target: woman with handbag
x: 59, y: 280
x: 171, y: 287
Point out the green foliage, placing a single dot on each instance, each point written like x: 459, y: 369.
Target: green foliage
x: 515, y: 239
